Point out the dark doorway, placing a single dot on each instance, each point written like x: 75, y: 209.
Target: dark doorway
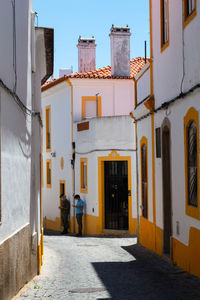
x: 167, y: 214
x: 116, y: 195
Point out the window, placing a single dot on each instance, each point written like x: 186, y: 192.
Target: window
x: 83, y: 175
x: 48, y: 128
x: 189, y: 11
x: 191, y: 162
x: 144, y: 177
x: 49, y: 173
x: 91, y: 106
x: 164, y: 12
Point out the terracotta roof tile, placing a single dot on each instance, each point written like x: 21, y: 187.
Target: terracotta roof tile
x: 136, y: 65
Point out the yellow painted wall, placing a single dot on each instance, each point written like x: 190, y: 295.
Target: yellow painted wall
x: 188, y: 257
x: 150, y: 236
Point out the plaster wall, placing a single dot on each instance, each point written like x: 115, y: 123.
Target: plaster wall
x: 15, y: 126
x: 143, y: 87
x: 175, y: 115
x: 168, y: 64
x: 104, y: 133
x: 117, y: 96
x: 144, y: 129
x: 61, y: 138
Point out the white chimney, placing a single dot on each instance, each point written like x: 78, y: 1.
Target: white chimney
x: 120, y: 50
x: 86, y: 54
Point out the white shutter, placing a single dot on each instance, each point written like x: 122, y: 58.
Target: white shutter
x: 90, y: 109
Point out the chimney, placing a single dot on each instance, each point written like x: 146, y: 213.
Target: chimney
x: 86, y: 54
x: 120, y: 50
x: 65, y: 72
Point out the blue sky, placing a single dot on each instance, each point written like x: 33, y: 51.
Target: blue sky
x: 92, y: 17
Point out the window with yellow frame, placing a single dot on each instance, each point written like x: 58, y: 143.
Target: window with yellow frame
x: 83, y: 175
x: 91, y: 106
x: 164, y: 22
x: 48, y: 128
x: 49, y: 173
x: 191, y: 136
x: 189, y: 11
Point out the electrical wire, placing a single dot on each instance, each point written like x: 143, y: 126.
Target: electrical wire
x: 17, y: 100
x: 95, y: 150
x: 166, y: 104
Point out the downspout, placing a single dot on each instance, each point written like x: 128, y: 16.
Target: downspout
x: 73, y: 153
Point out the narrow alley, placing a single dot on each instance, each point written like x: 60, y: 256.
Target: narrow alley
x: 106, y: 268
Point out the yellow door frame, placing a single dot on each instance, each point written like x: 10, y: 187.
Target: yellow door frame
x: 113, y: 156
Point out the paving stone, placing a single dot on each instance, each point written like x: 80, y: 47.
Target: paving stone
x: 107, y: 268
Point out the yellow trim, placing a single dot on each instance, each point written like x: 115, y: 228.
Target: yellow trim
x: 39, y: 255
x: 150, y: 104
x: 113, y: 156
x: 48, y: 165
x: 62, y: 163
x: 187, y: 257
x: 48, y: 126
x: 163, y: 45
x: 144, y: 141
x: 151, y: 47
x: 187, y: 20
x: 42, y: 241
x: 82, y: 162
x: 192, y: 115
x: 151, y: 236
x: 91, y: 98
x: 153, y: 169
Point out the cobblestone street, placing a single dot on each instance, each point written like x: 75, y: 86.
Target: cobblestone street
x: 106, y: 268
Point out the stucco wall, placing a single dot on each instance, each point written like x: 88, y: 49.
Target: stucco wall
x: 168, y: 64
x: 117, y: 96
x: 61, y: 130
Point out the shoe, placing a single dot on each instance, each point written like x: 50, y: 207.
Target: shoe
x: 79, y: 234
x: 64, y: 232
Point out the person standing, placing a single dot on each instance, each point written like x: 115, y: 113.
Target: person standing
x: 79, y: 213
x: 65, y: 210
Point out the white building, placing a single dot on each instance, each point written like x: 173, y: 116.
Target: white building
x: 24, y: 64
x: 88, y: 142
x: 167, y: 120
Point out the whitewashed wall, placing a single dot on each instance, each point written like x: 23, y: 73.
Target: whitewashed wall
x: 105, y: 133
x: 15, y: 127
x: 168, y: 65
x: 59, y: 98
x: 117, y: 96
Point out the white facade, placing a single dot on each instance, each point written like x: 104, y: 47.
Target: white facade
x: 111, y: 131
x: 173, y: 96
x: 20, y: 102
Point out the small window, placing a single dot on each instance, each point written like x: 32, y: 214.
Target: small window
x: 189, y: 7
x: 191, y: 138
x: 144, y: 178
x: 49, y: 175
x: 192, y: 163
x: 91, y: 107
x: 48, y: 129
x: 83, y: 175
x: 189, y: 10
x: 164, y: 23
